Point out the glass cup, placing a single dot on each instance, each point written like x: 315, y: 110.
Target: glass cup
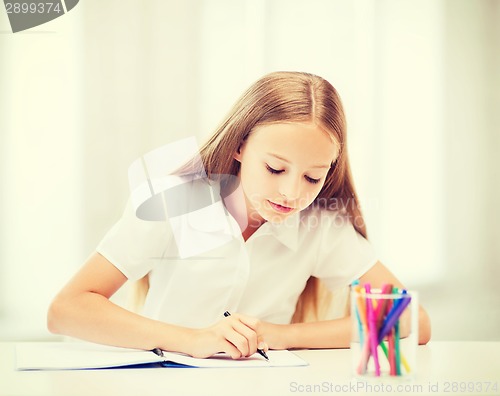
x: 384, y: 332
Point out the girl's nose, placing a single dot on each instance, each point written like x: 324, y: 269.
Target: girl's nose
x: 290, y: 188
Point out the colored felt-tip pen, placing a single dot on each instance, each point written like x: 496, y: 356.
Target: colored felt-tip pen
x: 259, y: 351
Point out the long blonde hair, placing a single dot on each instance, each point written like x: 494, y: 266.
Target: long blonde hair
x: 288, y: 97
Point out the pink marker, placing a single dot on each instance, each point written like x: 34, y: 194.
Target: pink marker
x: 372, y: 327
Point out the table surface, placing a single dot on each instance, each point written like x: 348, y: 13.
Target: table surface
x: 443, y: 368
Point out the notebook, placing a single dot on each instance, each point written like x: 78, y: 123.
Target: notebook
x: 84, y: 355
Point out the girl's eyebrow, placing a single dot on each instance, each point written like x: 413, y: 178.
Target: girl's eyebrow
x: 289, y: 162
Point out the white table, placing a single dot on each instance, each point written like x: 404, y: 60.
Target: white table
x: 442, y: 368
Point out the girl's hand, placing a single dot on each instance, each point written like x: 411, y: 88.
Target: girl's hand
x: 276, y: 336
x: 236, y: 335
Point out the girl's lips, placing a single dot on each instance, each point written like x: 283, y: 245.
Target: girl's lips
x: 280, y: 208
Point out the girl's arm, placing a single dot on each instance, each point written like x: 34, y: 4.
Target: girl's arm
x: 83, y: 310
x: 334, y: 333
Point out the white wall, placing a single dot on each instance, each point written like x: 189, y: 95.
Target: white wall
x: 471, y: 167
x: 385, y: 60
x: 141, y: 73
x: 419, y: 80
x: 41, y: 170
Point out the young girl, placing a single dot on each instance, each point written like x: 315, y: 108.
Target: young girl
x: 286, y: 187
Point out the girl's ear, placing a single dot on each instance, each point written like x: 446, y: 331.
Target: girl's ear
x: 238, y: 154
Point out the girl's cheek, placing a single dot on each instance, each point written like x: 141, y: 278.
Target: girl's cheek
x: 311, y: 196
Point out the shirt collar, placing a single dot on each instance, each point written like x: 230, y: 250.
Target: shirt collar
x: 286, y: 232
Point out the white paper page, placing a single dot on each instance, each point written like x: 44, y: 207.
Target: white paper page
x: 79, y: 355
x: 276, y: 359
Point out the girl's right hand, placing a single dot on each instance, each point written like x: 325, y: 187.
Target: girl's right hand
x: 236, y: 335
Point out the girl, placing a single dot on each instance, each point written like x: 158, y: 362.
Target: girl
x: 288, y: 192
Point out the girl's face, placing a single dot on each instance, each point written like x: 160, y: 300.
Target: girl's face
x: 283, y: 168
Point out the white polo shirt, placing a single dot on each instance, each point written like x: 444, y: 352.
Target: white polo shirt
x: 262, y: 277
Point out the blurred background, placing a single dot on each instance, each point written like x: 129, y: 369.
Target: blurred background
x: 83, y: 96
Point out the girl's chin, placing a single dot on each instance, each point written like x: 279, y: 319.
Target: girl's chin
x: 270, y: 212
x: 276, y: 218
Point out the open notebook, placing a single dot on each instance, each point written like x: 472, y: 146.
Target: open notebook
x: 83, y: 355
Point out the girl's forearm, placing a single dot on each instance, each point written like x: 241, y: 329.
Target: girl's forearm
x: 424, y: 327
x: 92, y: 317
x: 324, y: 334
x: 327, y: 334
x: 334, y: 333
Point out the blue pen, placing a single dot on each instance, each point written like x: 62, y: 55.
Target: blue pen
x: 392, y: 317
x: 396, y: 340
x: 360, y: 327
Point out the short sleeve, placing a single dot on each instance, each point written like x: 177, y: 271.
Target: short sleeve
x: 344, y: 254
x: 135, y: 246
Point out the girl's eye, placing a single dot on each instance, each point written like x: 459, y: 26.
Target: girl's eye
x: 273, y: 171
x: 311, y: 180
x: 277, y: 172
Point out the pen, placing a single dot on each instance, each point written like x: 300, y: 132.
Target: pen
x: 362, y: 323
x: 396, y: 343
x: 260, y: 351
x: 355, y: 285
x: 393, y: 316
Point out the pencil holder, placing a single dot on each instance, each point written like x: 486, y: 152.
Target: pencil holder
x: 384, y: 332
